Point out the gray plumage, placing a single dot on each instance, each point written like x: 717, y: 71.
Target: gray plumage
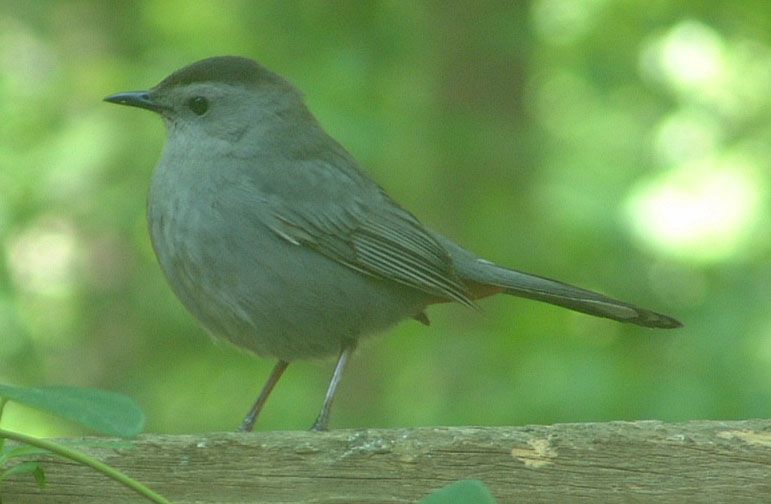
x: 272, y: 236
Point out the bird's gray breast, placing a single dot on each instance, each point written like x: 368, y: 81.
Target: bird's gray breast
x: 211, y: 232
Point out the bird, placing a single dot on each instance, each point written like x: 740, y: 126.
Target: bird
x: 275, y: 239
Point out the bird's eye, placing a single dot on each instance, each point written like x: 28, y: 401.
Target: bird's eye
x: 198, y: 104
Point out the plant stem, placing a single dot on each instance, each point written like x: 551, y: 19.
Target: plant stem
x: 3, y: 400
x: 84, y: 459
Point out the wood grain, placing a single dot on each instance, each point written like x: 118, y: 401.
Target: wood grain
x: 648, y: 461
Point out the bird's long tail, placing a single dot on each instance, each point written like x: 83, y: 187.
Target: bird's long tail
x: 481, y: 274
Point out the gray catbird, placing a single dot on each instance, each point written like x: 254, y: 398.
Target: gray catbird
x: 273, y: 237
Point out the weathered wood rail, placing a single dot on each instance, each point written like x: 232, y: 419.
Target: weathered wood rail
x: 648, y: 461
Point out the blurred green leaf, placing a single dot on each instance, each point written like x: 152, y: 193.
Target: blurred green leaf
x: 99, y: 410
x: 461, y: 492
x: 21, y: 451
x: 26, y: 468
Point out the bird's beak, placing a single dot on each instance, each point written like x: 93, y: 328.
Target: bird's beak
x: 141, y: 99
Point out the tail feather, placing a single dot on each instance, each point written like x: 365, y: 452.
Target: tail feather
x: 479, y: 271
x: 577, y: 299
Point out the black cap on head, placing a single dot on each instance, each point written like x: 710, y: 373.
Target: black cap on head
x: 225, y: 69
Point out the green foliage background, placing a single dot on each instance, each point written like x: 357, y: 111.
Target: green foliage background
x: 621, y: 145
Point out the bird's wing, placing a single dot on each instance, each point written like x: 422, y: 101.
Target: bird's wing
x: 352, y: 221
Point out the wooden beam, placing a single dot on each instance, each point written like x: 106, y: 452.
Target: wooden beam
x: 648, y: 461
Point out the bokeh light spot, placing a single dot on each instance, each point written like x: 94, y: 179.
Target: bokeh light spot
x: 690, y: 57
x: 42, y: 258
x: 701, y: 211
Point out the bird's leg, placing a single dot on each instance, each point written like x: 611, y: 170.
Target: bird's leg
x: 251, y: 417
x: 323, y: 419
